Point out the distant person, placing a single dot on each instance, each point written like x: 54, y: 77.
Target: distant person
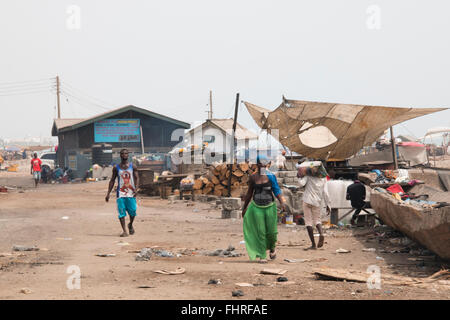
x: 356, y: 193
x: 260, y: 215
x: 36, y: 164
x: 127, y: 184
x: 315, y: 191
x: 24, y: 154
x: 281, y: 161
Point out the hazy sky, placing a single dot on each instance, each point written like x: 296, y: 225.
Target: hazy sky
x: 167, y: 55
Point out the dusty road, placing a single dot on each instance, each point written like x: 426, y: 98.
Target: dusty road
x: 72, y: 223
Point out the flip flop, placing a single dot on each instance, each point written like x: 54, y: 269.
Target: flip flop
x: 310, y: 248
x: 130, y: 228
x: 321, y: 240
x: 124, y: 235
x: 273, y: 255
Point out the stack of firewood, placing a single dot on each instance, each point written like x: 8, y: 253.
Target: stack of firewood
x: 216, y: 180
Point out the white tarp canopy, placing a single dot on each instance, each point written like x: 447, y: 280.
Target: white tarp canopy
x: 330, y: 130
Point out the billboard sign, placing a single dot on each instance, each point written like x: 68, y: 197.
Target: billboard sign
x: 117, y: 130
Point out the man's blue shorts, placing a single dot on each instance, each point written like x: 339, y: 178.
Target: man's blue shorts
x: 125, y: 205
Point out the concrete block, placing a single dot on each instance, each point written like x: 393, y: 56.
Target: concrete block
x: 235, y: 214
x: 202, y: 198
x: 226, y: 214
x: 212, y: 198
x: 231, y: 203
x: 291, y: 174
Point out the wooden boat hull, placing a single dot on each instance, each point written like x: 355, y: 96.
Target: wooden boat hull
x: 429, y: 227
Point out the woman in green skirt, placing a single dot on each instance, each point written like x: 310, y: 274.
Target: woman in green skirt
x: 260, y: 215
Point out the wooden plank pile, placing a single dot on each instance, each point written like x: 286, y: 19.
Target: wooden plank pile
x: 216, y: 180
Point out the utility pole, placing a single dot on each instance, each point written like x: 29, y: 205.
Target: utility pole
x: 394, y: 153
x: 57, y: 97
x: 233, y: 144
x: 210, y: 105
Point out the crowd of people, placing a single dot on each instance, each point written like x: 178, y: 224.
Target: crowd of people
x: 260, y: 217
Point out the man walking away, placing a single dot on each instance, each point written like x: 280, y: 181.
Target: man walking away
x: 127, y: 184
x: 315, y: 191
x: 36, y: 164
x: 356, y: 193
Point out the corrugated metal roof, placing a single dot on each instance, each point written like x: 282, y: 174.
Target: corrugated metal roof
x: 61, y: 125
x: 226, y: 125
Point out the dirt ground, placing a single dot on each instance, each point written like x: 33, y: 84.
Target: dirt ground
x: 71, y: 223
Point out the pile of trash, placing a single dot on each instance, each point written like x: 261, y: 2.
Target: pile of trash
x: 390, y: 176
x: 410, y: 198
x: 229, y: 252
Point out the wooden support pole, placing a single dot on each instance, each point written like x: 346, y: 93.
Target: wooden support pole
x: 233, y: 144
x: 57, y: 97
x: 394, y: 153
x: 142, y: 141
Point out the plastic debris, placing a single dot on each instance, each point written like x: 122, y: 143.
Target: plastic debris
x: 144, y: 255
x: 237, y: 293
x: 214, y: 281
x: 24, y: 248
x: 340, y: 250
x: 106, y: 255
x: 170, y: 272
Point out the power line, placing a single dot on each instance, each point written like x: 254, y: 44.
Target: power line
x: 82, y: 101
x: 19, y: 90
x: 82, y: 93
x: 23, y: 82
x: 24, y: 93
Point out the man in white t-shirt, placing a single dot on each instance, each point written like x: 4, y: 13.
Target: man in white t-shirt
x: 315, y: 191
x: 281, y: 161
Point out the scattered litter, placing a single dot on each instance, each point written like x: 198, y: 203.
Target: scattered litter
x: 244, y: 284
x: 65, y: 218
x: 66, y: 239
x: 297, y: 260
x: 439, y: 278
x: 401, y: 241
x: 229, y: 252
x: 106, y: 255
x: 123, y: 243
x: 169, y: 272
x: 163, y: 253
x: 144, y: 255
x: 237, y: 293
x: 242, y: 242
x: 145, y: 287
x: 278, y: 272
x: 214, y: 281
x: 369, y: 249
x: 379, y: 258
x: 282, y: 279
x: 25, y: 291
x: 24, y: 248
x: 340, y: 250
x: 305, y: 260
x: 195, y: 210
